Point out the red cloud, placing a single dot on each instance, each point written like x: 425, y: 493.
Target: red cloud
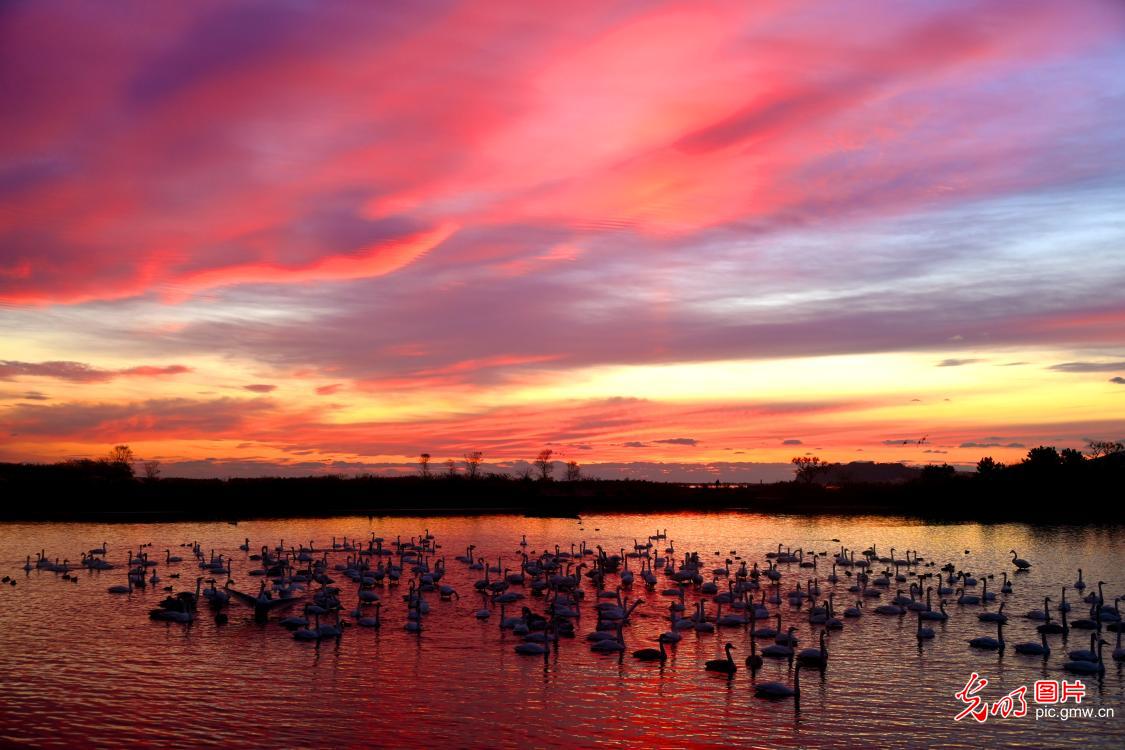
x: 151, y: 372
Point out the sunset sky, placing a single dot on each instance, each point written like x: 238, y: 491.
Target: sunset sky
x: 666, y: 240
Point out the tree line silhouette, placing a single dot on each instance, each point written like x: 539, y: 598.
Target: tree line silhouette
x: 1047, y: 486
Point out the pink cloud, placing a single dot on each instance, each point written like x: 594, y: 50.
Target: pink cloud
x: 656, y: 120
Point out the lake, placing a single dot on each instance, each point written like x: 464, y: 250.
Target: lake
x: 82, y: 667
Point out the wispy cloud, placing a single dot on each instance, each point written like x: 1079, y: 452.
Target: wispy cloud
x: 79, y: 372
x: 1089, y: 366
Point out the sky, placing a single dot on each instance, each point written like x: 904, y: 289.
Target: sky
x: 664, y: 240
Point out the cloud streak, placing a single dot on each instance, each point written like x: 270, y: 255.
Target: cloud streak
x: 79, y: 372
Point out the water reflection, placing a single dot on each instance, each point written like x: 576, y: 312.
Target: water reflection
x: 82, y: 667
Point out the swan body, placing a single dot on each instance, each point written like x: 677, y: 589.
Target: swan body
x: 987, y: 643
x: 777, y: 690
x: 1032, y: 648
x: 652, y: 654
x: 726, y: 666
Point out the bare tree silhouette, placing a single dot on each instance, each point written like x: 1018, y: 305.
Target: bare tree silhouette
x: 544, y: 464
x: 472, y: 464
x: 121, y: 454
x: 807, y: 468
x: 573, y: 471
x: 424, y: 465
x: 1098, y: 448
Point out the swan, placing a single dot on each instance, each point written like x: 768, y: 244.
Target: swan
x: 768, y: 632
x: 787, y: 638
x: 987, y: 643
x: 1089, y: 623
x: 610, y: 644
x: 1088, y: 667
x: 726, y: 666
x: 652, y: 654
x: 172, y: 615
x: 1054, y: 628
x: 967, y: 599
x: 1020, y: 563
x: 1118, y: 651
x: 371, y: 622
x: 532, y: 649
x: 308, y: 634
x: 671, y: 636
x: 922, y: 633
x: 1041, y: 614
x: 856, y: 611
x: 119, y: 589
x: 331, y: 631
x: 815, y: 657
x: 779, y: 689
x: 997, y: 616
x: 1080, y: 584
x: 754, y: 661
x: 1084, y: 654
x: 941, y: 615
x: 778, y: 651
x: 1031, y: 648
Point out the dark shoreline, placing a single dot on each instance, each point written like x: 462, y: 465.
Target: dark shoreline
x: 957, y: 499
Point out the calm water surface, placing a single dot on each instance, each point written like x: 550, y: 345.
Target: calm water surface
x: 82, y: 668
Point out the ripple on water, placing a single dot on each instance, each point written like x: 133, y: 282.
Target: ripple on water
x: 83, y: 668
